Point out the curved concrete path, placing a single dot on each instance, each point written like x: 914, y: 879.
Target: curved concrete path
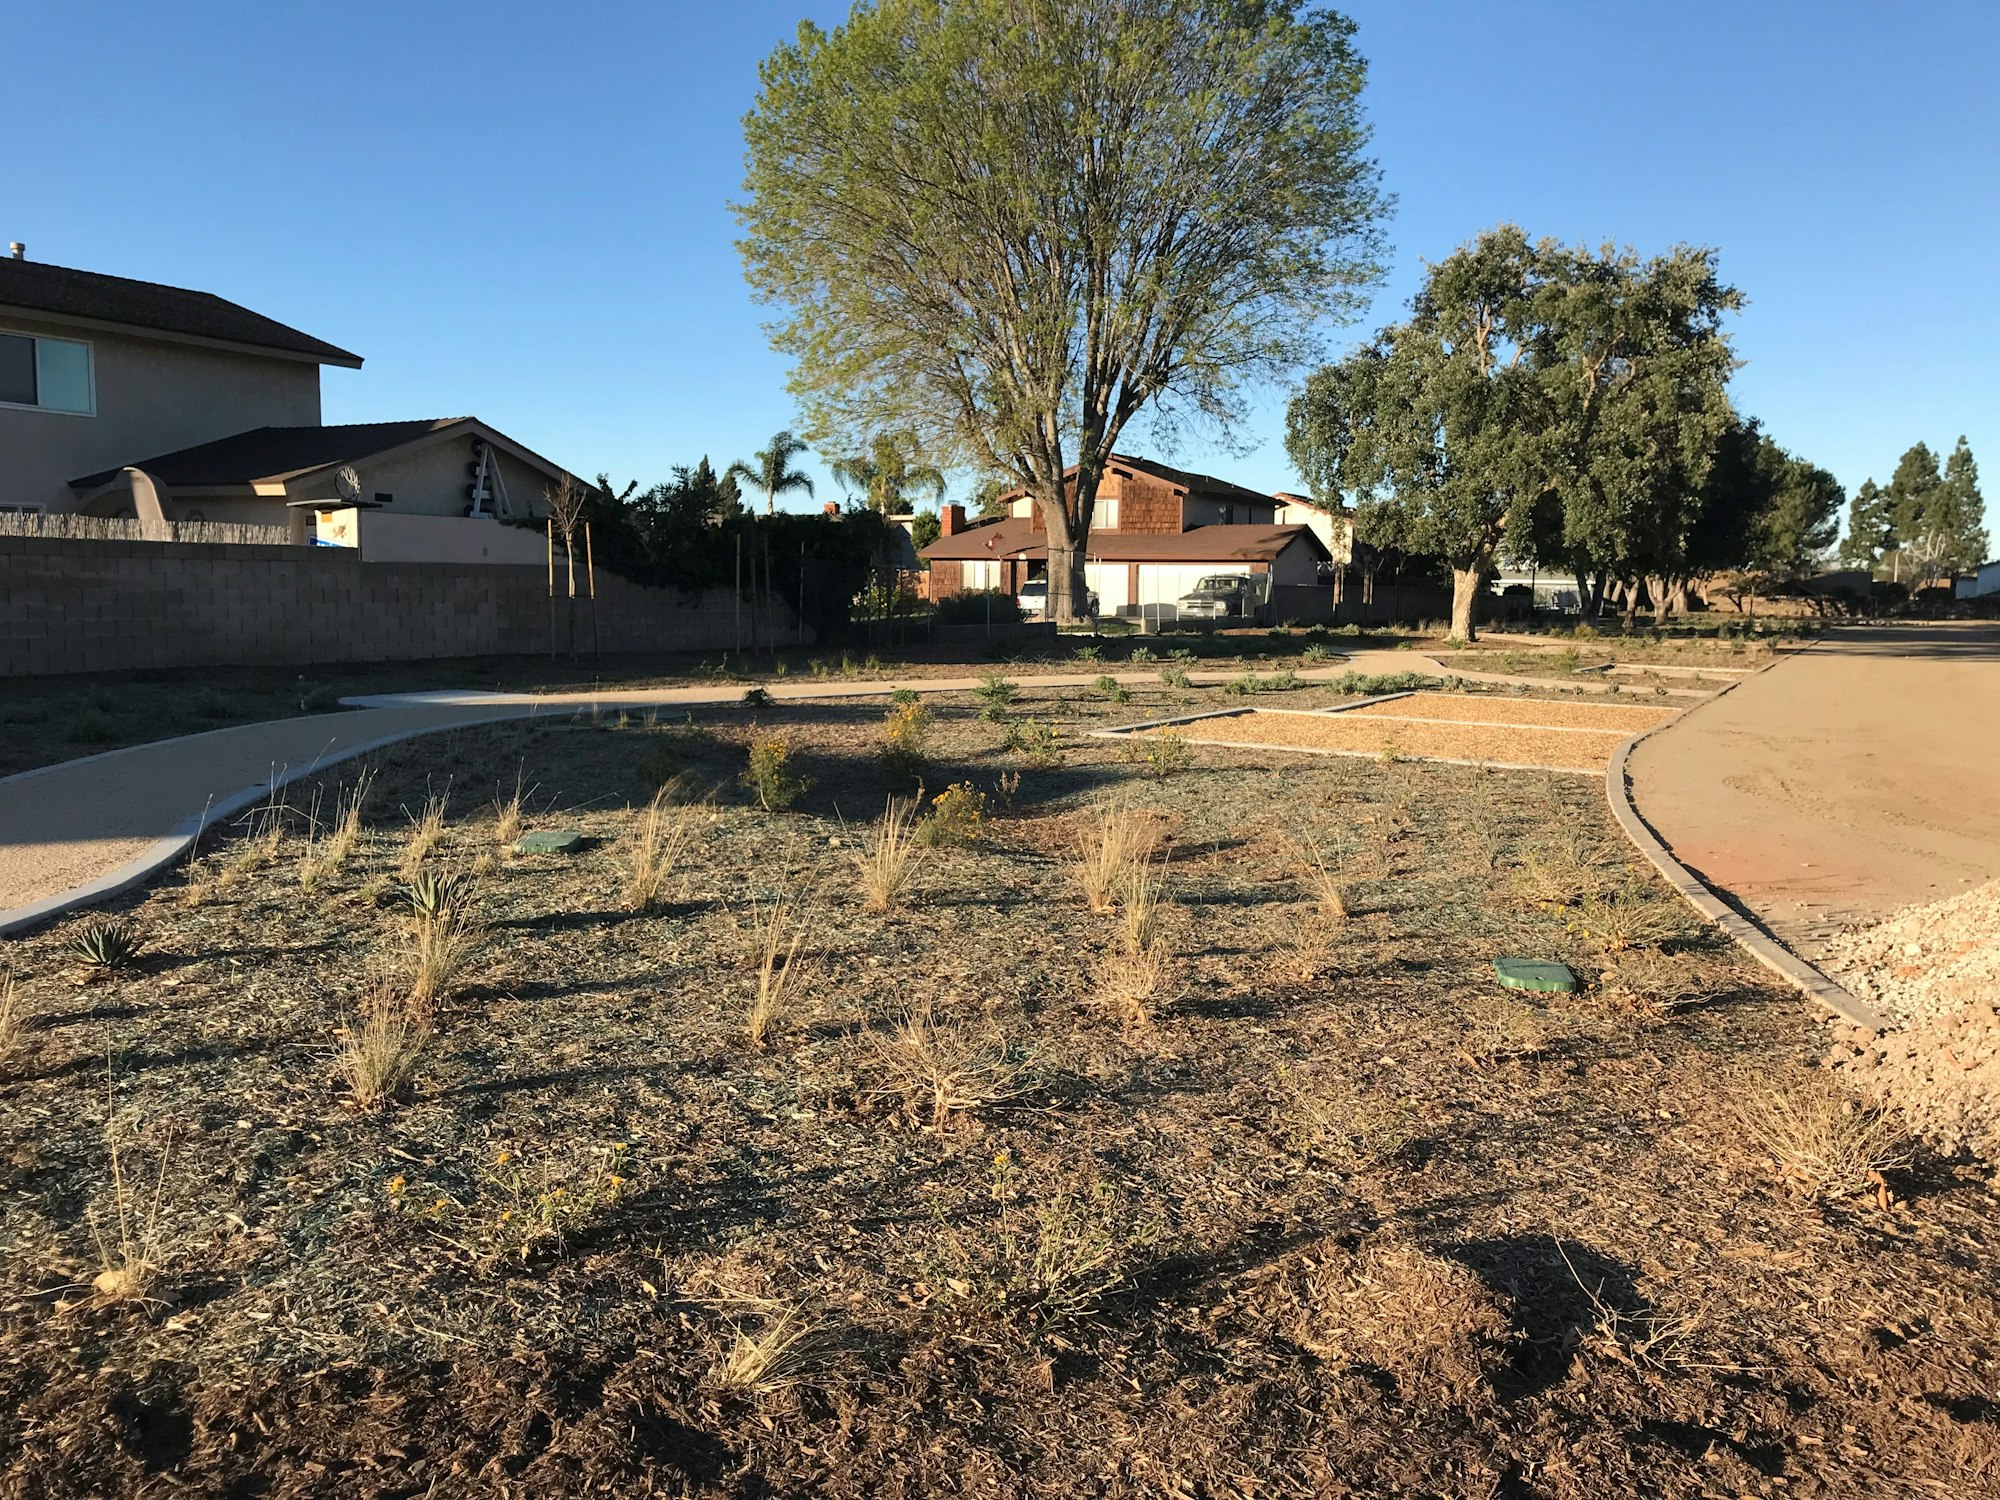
x: 1845, y: 782
x: 83, y: 830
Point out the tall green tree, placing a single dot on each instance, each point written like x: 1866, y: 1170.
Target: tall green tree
x: 1911, y: 490
x: 1434, y: 429
x: 1009, y: 227
x: 1799, y: 519
x: 770, y: 470
x: 1871, y: 528
x: 1562, y: 404
x: 1956, y: 522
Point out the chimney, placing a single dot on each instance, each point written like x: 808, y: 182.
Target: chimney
x: 951, y: 520
x: 832, y: 507
x: 18, y: 250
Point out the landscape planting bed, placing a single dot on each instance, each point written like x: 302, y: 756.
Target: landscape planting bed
x: 1487, y: 708
x: 1333, y: 1215
x: 1404, y: 737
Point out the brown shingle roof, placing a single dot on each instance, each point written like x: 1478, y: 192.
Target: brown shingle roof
x: 1016, y: 537
x: 1188, y: 481
x: 275, y: 454
x: 32, y: 287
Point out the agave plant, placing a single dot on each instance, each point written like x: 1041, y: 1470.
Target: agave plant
x: 108, y: 946
x: 436, y: 894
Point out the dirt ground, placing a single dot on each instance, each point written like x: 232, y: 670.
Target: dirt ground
x: 1847, y: 782
x: 1330, y: 1214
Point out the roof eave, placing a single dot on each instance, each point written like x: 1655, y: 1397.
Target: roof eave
x: 332, y: 356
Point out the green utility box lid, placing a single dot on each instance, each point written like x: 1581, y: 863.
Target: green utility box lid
x: 549, y: 841
x: 1534, y: 974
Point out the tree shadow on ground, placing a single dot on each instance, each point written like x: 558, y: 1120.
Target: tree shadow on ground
x: 1549, y: 1285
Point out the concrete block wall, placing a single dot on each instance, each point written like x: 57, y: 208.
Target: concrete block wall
x: 95, y: 606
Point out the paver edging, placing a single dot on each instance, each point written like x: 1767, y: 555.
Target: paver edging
x: 1747, y: 935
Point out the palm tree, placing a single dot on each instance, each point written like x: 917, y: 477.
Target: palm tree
x: 888, y: 473
x: 771, y: 470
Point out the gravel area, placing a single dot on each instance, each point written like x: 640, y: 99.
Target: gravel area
x: 1486, y: 708
x: 1936, y: 968
x: 1402, y: 738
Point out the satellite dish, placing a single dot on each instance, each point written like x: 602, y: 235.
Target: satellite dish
x: 348, y: 483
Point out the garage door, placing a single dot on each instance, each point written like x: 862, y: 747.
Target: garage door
x: 1107, y: 581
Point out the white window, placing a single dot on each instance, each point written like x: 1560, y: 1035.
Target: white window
x: 48, y: 374
x: 1106, y: 518
x: 982, y: 575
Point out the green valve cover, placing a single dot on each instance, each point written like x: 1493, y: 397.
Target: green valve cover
x: 549, y: 841
x: 1534, y: 974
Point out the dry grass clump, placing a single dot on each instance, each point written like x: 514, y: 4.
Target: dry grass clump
x: 938, y: 1069
x: 1319, y: 873
x: 13, y: 1018
x: 330, y: 845
x: 1501, y: 1028
x: 1821, y: 1141
x: 426, y: 833
x: 1430, y: 1322
x: 779, y: 927
x: 130, y: 1258
x: 445, y: 935
x: 1115, y: 839
x: 381, y: 1048
x: 787, y: 1350
x: 508, y: 816
x: 653, y: 848
x: 884, y: 866
x: 1133, y: 984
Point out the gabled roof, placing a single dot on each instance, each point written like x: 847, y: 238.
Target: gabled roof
x: 93, y: 298
x: 1184, y: 480
x: 1018, y: 538
x: 279, y: 455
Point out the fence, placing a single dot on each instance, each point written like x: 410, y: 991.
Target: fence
x: 69, y: 605
x: 128, y: 529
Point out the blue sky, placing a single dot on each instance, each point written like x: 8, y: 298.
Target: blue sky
x: 520, y: 211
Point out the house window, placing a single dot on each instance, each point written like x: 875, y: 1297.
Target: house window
x: 49, y: 374
x: 1107, y: 513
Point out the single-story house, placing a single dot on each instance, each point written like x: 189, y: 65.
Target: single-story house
x: 118, y: 394
x: 1980, y: 582
x: 1156, y: 532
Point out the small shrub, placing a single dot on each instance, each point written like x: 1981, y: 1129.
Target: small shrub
x: 1144, y: 654
x: 936, y: 1070
x: 957, y: 818
x: 1087, y: 653
x: 756, y: 697
x: 994, y: 693
x: 1315, y: 654
x: 906, y: 741
x: 107, y: 946
x: 93, y: 728
x: 381, y: 1049
x: 884, y: 866
x: 1111, y: 688
x: 770, y: 776
x: 1035, y: 742
x: 903, y: 697
x: 1176, y: 677
x: 546, y: 1209
x: 1159, y: 755
x: 1241, y: 687
x: 979, y: 607
x: 1821, y: 1141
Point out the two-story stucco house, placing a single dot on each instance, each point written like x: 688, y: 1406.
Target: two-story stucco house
x: 217, y: 409
x: 1156, y: 533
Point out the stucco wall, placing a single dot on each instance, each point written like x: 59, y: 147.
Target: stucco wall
x: 109, y: 606
x: 152, y: 398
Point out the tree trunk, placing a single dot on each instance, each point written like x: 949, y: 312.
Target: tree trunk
x: 1630, y: 589
x: 1465, y: 587
x: 1656, y: 587
x: 1069, y: 594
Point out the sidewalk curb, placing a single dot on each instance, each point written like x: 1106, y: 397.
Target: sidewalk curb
x: 1748, y: 936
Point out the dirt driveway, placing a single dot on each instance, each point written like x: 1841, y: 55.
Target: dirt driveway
x: 1852, y: 779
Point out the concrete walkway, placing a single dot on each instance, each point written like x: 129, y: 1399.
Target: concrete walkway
x: 1846, y: 782
x: 83, y: 830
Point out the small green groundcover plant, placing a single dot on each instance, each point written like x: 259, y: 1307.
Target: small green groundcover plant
x: 769, y: 776
x: 957, y: 818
